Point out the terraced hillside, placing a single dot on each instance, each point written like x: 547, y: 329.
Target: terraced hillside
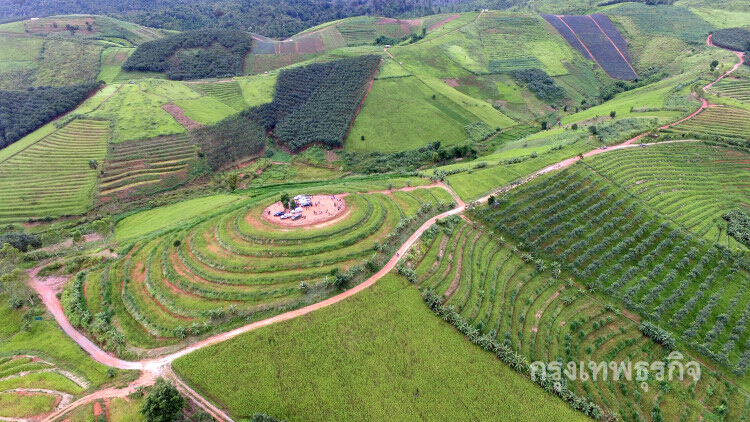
x: 734, y: 88
x: 692, y: 184
x: 53, y: 176
x: 611, y: 244
x: 507, y: 297
x: 136, y: 164
x: 718, y: 122
x: 228, y: 93
x: 237, y: 267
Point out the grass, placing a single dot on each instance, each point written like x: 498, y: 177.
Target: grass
x: 257, y: 90
x: 407, y: 105
x: 146, y: 222
x: 67, y: 62
x: 366, y: 358
x: 690, y: 183
x: 112, y: 60
x: 15, y: 406
x: 52, y: 176
x: 206, y: 110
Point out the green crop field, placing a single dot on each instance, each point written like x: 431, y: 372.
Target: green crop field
x: 235, y: 267
x: 506, y: 297
x: 726, y: 122
x: 228, y: 93
x: 52, y: 177
x: 690, y: 183
x: 734, y: 88
x: 145, y: 163
x: 379, y: 355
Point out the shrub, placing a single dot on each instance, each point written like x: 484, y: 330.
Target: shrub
x: 540, y: 83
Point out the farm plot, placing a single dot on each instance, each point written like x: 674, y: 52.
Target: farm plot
x: 378, y: 355
x: 598, y: 43
x: 502, y: 295
x: 644, y: 20
x: 145, y: 163
x: 734, y: 88
x: 52, y: 177
x: 228, y: 93
x: 238, y: 267
x: 521, y: 42
x: 613, y: 245
x: 691, y: 184
x: 722, y: 122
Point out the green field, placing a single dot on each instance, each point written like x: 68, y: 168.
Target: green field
x: 52, y: 177
x: 379, y: 355
x: 414, y: 118
x: 505, y: 297
x: 724, y: 122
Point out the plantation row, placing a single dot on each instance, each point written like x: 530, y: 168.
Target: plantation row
x: 692, y: 184
x: 142, y: 163
x: 317, y: 103
x: 228, y: 93
x: 611, y: 244
x: 726, y: 122
x: 505, y: 297
x: 508, y: 41
x: 238, y: 267
x: 53, y: 177
x: 734, y: 88
x: 604, y: 50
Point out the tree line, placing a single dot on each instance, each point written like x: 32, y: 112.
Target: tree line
x: 220, y: 53
x: 233, y: 138
x: 736, y: 39
x: 22, y: 112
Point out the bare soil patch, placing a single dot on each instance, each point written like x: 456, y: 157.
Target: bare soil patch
x: 324, y: 209
x: 442, y: 22
x: 180, y: 116
x: 451, y: 82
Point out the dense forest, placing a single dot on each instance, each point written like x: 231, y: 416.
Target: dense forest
x: 231, y: 139
x: 317, y: 103
x: 539, y: 82
x: 21, y: 112
x: 736, y: 39
x: 193, y: 54
x: 268, y: 17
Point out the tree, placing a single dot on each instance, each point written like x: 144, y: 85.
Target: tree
x: 10, y: 257
x: 93, y: 164
x: 544, y: 125
x: 574, y: 126
x: 612, y: 114
x: 163, y: 403
x: 284, y: 199
x: 77, y: 236
x: 714, y: 64
x: 14, y: 285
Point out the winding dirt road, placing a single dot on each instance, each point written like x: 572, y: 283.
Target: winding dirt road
x: 153, y: 368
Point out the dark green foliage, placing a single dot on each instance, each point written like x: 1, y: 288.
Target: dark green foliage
x: 404, y: 161
x: 648, y: 77
x: 411, y: 38
x: 232, y: 138
x: 317, y: 103
x: 262, y: 417
x: 193, y: 54
x: 738, y: 225
x: 21, y: 241
x: 657, y: 334
x: 539, y: 82
x: 163, y: 403
x: 22, y: 112
x: 479, y: 131
x: 736, y: 39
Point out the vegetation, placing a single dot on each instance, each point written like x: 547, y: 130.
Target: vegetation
x: 736, y: 39
x: 22, y: 112
x: 317, y: 103
x: 539, y: 82
x: 231, y: 139
x: 738, y: 225
x: 163, y: 403
x: 401, y: 333
x: 193, y: 54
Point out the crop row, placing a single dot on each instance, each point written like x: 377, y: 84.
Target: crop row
x: 506, y: 297
x: 613, y: 245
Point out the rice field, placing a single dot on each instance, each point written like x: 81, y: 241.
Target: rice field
x: 234, y: 267
x: 52, y: 177
x: 692, y: 184
x: 507, y: 297
x: 145, y: 163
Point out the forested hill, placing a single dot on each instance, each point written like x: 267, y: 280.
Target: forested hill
x: 272, y: 18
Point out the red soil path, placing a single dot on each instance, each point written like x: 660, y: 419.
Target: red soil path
x: 161, y: 366
x: 442, y: 22
x: 179, y: 115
